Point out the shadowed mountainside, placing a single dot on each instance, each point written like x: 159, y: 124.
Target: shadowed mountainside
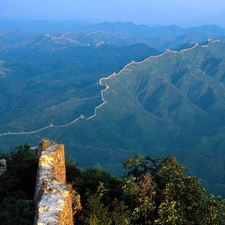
x: 168, y: 104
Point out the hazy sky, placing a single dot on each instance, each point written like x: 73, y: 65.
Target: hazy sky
x: 163, y: 12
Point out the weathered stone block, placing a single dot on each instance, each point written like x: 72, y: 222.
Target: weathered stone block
x: 53, y: 199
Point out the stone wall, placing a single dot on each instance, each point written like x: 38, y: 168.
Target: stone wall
x: 53, y: 198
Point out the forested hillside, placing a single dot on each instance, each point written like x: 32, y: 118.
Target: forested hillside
x: 113, y: 90
x: 151, y: 191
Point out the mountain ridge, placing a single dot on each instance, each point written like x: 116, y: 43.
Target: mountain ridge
x: 102, y: 96
x: 175, y: 105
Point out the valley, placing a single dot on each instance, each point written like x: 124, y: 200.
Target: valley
x: 97, y: 107
x: 110, y: 93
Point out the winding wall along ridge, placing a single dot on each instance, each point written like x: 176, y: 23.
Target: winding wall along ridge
x: 102, y: 93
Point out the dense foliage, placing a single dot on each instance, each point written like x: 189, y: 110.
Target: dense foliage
x: 17, y: 187
x: 150, y: 192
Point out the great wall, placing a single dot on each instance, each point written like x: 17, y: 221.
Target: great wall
x: 55, y: 201
x: 104, y: 90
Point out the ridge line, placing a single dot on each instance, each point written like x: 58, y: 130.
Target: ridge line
x: 102, y: 93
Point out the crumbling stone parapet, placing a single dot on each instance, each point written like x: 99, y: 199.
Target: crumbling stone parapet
x: 53, y: 199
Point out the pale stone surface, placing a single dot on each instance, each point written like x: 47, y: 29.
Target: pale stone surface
x: 52, y: 198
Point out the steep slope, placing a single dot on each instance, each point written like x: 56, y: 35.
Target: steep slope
x: 46, y: 82
x: 183, y: 89
x: 174, y: 101
x: 168, y: 104
x: 171, y: 103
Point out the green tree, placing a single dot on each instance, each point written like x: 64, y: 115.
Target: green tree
x: 152, y: 191
x: 175, y: 197
x: 96, y: 211
x: 17, y: 185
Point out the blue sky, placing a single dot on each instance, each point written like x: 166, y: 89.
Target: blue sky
x: 159, y: 12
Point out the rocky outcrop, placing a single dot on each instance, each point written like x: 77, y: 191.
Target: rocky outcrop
x: 53, y: 197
